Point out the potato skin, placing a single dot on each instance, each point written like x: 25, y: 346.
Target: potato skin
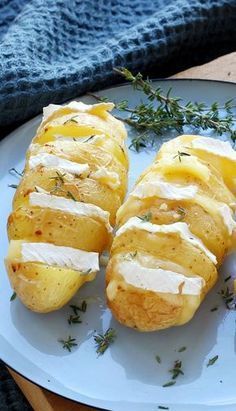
x: 43, y: 288
x: 52, y: 226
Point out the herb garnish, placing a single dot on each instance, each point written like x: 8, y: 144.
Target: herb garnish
x: 76, y: 308
x: 171, y: 113
x: 14, y: 171
x: 13, y: 297
x: 104, y: 340
x: 169, y: 384
x: 227, y: 296
x: 88, y: 139
x: 146, y: 217
x: 182, y: 349
x: 13, y: 185
x: 70, y: 195
x: 71, y: 119
x: 212, y: 360
x: 69, y: 343
x: 176, y: 370
x: 227, y: 278
x: 74, y: 319
x: 158, y: 359
x: 59, y: 181
x: 214, y: 309
x: 181, y: 211
x: 181, y: 154
x: 161, y: 407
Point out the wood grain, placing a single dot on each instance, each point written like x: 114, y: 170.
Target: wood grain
x: 223, y: 68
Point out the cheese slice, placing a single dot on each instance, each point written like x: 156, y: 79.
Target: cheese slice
x: 179, y: 228
x: 165, y: 190
x: 53, y: 161
x: 216, y: 147
x: 159, y: 280
x: 227, y: 217
x: 60, y: 256
x: 78, y: 208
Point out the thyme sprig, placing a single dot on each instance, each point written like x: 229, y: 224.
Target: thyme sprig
x: 146, y: 217
x: 77, y: 308
x: 59, y: 182
x: 69, y: 343
x: 171, y: 113
x: 103, y: 341
x: 176, y: 370
x: 74, y: 319
x: 228, y: 297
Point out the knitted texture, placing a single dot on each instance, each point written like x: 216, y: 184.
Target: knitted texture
x: 52, y: 51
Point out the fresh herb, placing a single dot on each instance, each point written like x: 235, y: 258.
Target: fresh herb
x: 212, y: 360
x: 169, y: 384
x: 181, y: 211
x: 146, y: 217
x: 214, y: 309
x: 161, y: 407
x: 13, y: 185
x: 70, y: 195
x: 104, y: 340
x: 88, y: 139
x: 171, y: 113
x: 76, y: 308
x: 71, y: 119
x: 59, y: 181
x: 158, y: 359
x: 74, y: 319
x: 182, y: 349
x: 227, y: 297
x: 181, y: 154
x: 14, y: 171
x: 13, y: 297
x: 176, y: 370
x: 227, y: 278
x: 69, y: 343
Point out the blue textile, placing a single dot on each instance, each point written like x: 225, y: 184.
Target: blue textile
x: 53, y: 50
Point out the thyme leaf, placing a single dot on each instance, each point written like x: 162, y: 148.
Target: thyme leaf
x: 212, y: 360
x: 69, y: 343
x: 146, y: 217
x: 103, y: 341
x: 13, y: 297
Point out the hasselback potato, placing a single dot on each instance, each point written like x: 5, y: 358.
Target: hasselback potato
x: 74, y: 180
x: 174, y: 231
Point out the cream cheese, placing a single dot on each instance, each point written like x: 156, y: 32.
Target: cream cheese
x: 159, y: 280
x: 53, y: 161
x: 110, y: 178
x: 216, y: 147
x: 226, y: 214
x: 69, y: 206
x: 180, y: 228
x: 164, y: 190
x: 60, y: 256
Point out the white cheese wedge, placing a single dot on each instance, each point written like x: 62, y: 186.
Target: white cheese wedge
x: 46, y: 200
x: 180, y: 228
x: 53, y: 255
x: 217, y: 147
x: 110, y: 178
x: 159, y: 280
x: 53, y: 161
x: 226, y: 214
x: 75, y: 106
x: 164, y: 190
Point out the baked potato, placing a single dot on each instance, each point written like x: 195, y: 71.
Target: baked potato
x: 174, y: 231
x: 74, y: 181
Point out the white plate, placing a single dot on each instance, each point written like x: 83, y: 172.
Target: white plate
x: 127, y: 377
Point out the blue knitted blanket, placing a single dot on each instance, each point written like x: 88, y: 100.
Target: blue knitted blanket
x: 54, y: 50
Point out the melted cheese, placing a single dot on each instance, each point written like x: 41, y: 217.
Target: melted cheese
x: 159, y: 280
x: 110, y: 178
x: 216, y: 147
x: 179, y: 228
x: 164, y: 190
x: 53, y: 161
x: 69, y: 206
x: 76, y: 106
x: 53, y: 255
x: 227, y: 218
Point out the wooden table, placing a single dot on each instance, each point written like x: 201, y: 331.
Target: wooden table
x: 223, y: 68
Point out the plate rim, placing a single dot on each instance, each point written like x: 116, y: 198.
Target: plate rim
x: 34, y: 118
